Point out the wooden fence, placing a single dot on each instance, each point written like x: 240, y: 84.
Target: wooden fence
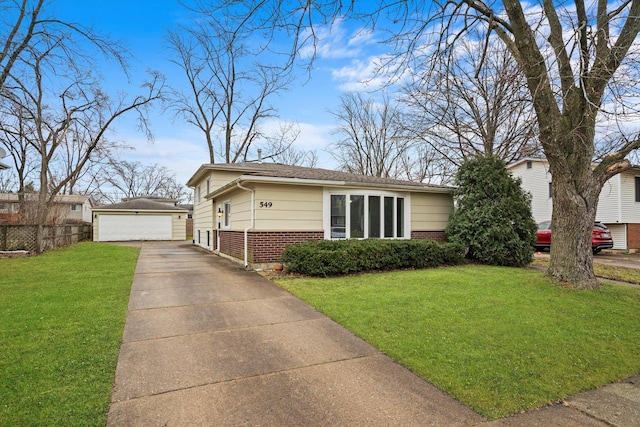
x: 23, y: 237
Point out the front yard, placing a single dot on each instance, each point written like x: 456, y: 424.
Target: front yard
x: 500, y: 340
x: 61, y: 326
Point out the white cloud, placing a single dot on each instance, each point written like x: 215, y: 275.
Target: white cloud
x: 337, y: 41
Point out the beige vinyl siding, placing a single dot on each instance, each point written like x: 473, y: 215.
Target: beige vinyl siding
x: 240, y: 209
x: 179, y: 226
x: 293, y: 208
x: 536, y: 181
x: 203, y: 220
x: 430, y: 211
x: 218, y: 179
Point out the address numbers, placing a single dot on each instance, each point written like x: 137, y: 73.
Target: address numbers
x: 266, y: 204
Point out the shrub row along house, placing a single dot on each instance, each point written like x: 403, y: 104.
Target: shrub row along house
x: 251, y: 211
x: 618, y: 207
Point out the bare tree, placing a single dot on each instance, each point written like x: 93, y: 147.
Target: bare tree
x: 7, y: 182
x: 76, y: 142
x: 230, y: 85
x: 14, y: 128
x: 120, y: 179
x: 56, y: 93
x: 373, y: 138
x: 466, y: 104
x: 29, y: 25
x: 580, y: 62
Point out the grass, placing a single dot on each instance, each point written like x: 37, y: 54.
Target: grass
x: 604, y: 271
x: 500, y: 340
x: 61, y: 326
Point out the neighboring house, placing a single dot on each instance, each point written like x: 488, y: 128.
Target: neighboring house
x: 251, y: 211
x: 65, y: 208
x: 618, y: 207
x: 140, y: 219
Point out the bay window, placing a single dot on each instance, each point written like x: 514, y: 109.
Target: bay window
x: 365, y: 215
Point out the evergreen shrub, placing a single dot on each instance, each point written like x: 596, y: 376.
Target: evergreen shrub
x: 339, y: 257
x: 492, y: 215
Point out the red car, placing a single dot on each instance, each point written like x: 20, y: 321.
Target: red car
x: 600, y: 237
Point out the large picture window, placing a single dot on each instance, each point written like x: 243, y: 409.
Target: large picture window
x: 365, y: 216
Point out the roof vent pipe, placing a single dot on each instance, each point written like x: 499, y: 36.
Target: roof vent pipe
x: 259, y: 155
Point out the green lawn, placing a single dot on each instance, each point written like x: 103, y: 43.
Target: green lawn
x: 500, y: 340
x: 61, y: 326
x: 612, y: 272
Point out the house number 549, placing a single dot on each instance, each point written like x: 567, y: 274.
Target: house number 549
x: 266, y: 204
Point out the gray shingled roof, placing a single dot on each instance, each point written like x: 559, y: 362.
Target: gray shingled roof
x: 286, y: 171
x: 141, y: 205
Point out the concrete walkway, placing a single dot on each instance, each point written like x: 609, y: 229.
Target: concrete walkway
x: 207, y: 343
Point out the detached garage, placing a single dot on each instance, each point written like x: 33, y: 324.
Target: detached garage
x: 139, y: 219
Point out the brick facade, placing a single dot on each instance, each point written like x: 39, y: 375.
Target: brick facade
x: 232, y: 244
x: 438, y: 236
x: 265, y: 247
x: 633, y: 236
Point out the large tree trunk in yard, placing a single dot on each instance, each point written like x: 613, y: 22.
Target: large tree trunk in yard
x: 575, y: 195
x: 571, y: 255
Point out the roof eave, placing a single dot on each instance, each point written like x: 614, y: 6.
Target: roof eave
x: 324, y: 183
x: 139, y: 210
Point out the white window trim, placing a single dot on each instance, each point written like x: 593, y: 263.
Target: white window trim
x: 326, y: 210
x: 226, y: 216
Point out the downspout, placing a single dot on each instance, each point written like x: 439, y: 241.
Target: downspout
x: 251, y: 226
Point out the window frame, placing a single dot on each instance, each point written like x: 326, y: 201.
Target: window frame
x: 226, y: 214
x: 397, y: 224
x: 637, y: 187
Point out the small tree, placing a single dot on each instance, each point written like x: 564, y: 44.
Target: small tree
x: 492, y: 214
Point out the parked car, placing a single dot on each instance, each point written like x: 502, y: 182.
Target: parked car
x: 600, y: 237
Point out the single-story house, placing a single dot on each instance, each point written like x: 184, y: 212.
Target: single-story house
x: 66, y: 207
x: 618, y: 207
x: 251, y: 211
x: 139, y: 219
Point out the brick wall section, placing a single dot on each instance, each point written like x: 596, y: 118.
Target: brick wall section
x: 267, y: 246
x: 633, y: 236
x: 232, y: 243
x: 438, y: 236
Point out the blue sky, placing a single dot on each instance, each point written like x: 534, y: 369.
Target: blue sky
x: 140, y: 25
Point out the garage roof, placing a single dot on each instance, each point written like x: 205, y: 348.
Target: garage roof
x: 140, y: 205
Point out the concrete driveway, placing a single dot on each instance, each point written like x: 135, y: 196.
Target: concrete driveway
x: 207, y: 343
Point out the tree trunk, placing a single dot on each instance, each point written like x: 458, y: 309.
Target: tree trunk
x: 575, y: 202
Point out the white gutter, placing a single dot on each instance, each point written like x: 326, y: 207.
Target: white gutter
x: 253, y: 220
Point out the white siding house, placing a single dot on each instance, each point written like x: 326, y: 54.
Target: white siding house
x: 618, y: 207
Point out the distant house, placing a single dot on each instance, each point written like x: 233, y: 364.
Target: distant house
x: 140, y: 218
x: 65, y: 208
x: 618, y: 207
x: 251, y: 211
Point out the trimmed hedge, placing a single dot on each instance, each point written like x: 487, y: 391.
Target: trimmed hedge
x: 337, y: 257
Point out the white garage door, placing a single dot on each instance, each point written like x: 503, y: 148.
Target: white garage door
x: 134, y: 227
